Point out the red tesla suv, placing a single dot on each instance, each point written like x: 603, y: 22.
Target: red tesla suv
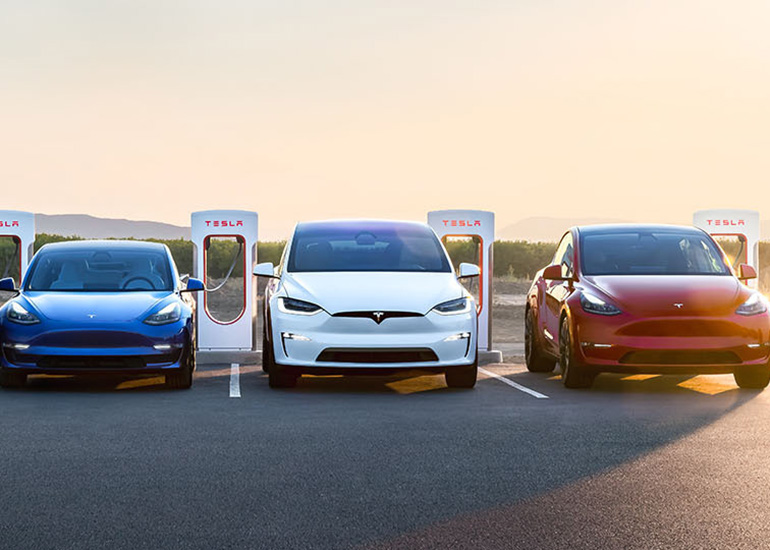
x: 657, y: 299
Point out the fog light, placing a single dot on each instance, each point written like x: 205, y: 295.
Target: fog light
x: 293, y: 336
x: 458, y: 336
x: 16, y: 346
x: 162, y: 347
x: 593, y: 345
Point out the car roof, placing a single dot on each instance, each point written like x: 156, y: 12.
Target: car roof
x: 609, y: 228
x: 104, y: 245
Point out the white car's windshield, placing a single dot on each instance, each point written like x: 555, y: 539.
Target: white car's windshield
x: 650, y: 253
x: 100, y: 270
x: 366, y: 246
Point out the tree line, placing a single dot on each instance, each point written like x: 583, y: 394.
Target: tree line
x: 514, y: 259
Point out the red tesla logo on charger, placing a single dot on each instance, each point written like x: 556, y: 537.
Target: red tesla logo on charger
x: 13, y: 223
x: 462, y: 223
x: 726, y: 222
x: 224, y: 223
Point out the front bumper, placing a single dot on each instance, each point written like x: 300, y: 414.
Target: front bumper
x: 88, y: 350
x: 672, y: 345
x: 324, y: 343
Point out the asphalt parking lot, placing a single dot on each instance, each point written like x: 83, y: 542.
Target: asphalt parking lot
x: 384, y: 463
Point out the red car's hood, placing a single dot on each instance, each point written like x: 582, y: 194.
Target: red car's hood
x: 658, y: 294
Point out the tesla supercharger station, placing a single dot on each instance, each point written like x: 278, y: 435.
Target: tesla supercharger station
x: 478, y: 225
x: 225, y: 253
x: 740, y: 226
x: 20, y: 228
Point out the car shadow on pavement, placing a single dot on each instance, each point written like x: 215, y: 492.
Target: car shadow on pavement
x: 635, y: 462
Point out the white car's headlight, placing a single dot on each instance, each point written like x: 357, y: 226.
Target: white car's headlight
x: 169, y: 314
x: 297, y: 307
x: 755, y: 305
x: 19, y: 314
x: 594, y: 304
x: 454, y: 307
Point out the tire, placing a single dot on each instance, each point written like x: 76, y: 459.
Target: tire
x: 9, y: 379
x: 280, y: 376
x: 182, y: 379
x: 462, y: 377
x: 573, y: 374
x: 268, y: 357
x: 535, y: 358
x: 754, y: 377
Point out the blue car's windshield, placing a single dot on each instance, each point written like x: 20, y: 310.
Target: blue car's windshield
x: 650, y: 253
x: 100, y: 270
x: 366, y: 247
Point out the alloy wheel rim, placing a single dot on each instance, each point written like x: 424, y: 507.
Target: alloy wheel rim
x: 564, y: 348
x: 528, y: 338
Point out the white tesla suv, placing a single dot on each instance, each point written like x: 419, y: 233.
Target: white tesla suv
x: 367, y: 297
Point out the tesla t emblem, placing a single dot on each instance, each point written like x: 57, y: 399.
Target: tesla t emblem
x: 678, y: 306
x: 378, y: 315
x: 91, y: 315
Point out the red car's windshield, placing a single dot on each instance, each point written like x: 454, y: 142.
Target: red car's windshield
x: 650, y: 253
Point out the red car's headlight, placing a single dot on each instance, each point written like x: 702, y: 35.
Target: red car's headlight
x: 755, y: 305
x: 593, y: 304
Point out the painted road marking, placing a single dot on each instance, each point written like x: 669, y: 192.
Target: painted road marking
x: 417, y: 384
x: 235, y: 380
x: 710, y: 385
x: 513, y: 384
x: 141, y: 383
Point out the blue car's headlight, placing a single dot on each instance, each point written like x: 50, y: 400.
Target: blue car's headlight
x: 297, y: 307
x: 169, y: 314
x: 19, y: 314
x: 454, y: 307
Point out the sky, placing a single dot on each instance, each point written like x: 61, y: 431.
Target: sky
x: 299, y: 110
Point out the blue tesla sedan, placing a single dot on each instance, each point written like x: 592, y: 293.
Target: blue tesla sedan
x: 96, y: 307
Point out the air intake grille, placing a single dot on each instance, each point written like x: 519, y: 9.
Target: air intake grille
x: 375, y: 356
x: 680, y: 357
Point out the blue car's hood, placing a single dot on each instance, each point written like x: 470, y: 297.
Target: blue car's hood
x: 97, y: 306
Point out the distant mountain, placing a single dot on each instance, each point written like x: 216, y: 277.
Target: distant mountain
x: 90, y: 227
x: 545, y: 229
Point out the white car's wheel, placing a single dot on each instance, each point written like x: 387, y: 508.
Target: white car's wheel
x: 462, y: 377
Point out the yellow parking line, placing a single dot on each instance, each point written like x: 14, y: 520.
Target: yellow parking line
x: 141, y: 383
x: 710, y: 385
x: 417, y: 384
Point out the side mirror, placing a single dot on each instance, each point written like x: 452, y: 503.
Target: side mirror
x: 553, y: 273
x: 265, y: 269
x: 8, y: 285
x: 745, y: 272
x: 467, y: 270
x: 194, y: 285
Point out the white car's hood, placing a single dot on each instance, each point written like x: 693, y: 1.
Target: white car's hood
x: 373, y: 291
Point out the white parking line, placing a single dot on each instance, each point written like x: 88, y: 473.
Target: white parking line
x: 513, y: 384
x: 235, y: 380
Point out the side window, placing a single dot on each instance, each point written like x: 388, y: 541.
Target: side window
x: 565, y: 255
x: 567, y: 262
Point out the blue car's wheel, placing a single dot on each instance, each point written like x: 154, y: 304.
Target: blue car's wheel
x: 183, y: 378
x: 10, y: 379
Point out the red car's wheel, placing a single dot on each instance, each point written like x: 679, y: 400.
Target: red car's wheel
x: 754, y: 377
x: 573, y: 375
x: 536, y: 359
